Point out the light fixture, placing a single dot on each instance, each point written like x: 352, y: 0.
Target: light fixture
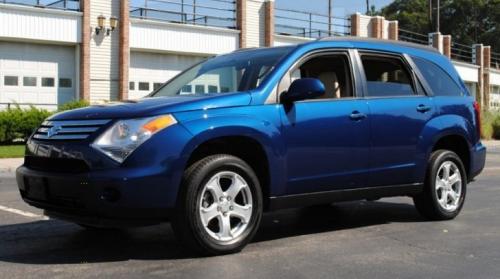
x: 113, y: 22
x: 100, y: 24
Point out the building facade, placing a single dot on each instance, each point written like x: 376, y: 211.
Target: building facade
x: 53, y: 52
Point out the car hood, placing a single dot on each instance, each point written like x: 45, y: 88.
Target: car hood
x: 154, y: 106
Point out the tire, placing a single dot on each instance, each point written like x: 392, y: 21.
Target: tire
x: 199, y: 196
x: 442, y: 199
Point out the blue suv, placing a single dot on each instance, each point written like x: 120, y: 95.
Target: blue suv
x: 259, y: 130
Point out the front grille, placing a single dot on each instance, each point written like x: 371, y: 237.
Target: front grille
x: 68, y: 129
x: 56, y: 164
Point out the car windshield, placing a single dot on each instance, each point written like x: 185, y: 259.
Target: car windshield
x: 234, y: 72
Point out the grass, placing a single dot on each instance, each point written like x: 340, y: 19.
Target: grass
x: 11, y: 151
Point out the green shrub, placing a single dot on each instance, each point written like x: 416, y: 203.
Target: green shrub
x: 73, y: 105
x: 496, y: 127
x: 487, y: 119
x: 17, y: 123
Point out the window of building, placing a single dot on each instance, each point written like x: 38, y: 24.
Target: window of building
x: 10, y: 80
x: 199, y: 89
x: 187, y: 89
x: 131, y: 85
x: 144, y: 86
x: 213, y: 89
x: 65, y: 83
x: 29, y: 81
x: 440, y: 82
x: 387, y: 76
x: 48, y: 82
x: 157, y: 85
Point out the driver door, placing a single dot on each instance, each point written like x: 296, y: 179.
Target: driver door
x: 327, y: 138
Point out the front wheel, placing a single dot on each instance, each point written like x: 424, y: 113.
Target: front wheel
x: 219, y: 207
x: 445, y: 187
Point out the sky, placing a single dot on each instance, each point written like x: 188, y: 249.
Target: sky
x: 340, y: 7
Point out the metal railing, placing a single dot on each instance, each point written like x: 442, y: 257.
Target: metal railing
x: 495, y: 60
x: 309, y: 25
x: 413, y: 37
x: 461, y: 52
x: 70, y: 5
x: 217, y: 13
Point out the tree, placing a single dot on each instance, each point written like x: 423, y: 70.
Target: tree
x: 468, y: 21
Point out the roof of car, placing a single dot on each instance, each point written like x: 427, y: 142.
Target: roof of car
x: 354, y: 40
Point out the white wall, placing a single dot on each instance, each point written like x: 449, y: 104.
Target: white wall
x: 160, y: 36
x: 255, y: 23
x: 494, y: 77
x: 37, y: 61
x: 281, y: 40
x: 47, y: 25
x: 104, y: 70
x: 156, y: 68
x: 468, y: 72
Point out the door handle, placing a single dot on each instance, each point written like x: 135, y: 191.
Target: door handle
x: 356, y: 115
x: 423, y: 108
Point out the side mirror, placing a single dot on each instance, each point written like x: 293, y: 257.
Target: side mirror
x: 303, y: 89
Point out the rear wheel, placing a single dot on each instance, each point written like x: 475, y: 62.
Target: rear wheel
x: 445, y: 187
x: 220, y: 205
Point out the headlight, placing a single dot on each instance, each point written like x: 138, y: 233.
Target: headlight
x: 120, y: 140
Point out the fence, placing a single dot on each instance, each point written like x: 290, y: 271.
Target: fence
x: 309, y: 25
x: 461, y: 52
x: 218, y: 13
x: 413, y: 37
x: 495, y: 60
x: 72, y: 5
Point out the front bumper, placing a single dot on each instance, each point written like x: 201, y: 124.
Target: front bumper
x: 117, y: 197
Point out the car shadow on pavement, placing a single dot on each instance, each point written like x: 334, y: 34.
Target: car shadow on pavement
x: 58, y: 242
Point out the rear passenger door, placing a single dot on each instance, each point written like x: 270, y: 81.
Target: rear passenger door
x: 398, y: 112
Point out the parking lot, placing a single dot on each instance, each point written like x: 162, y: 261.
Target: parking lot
x: 381, y: 239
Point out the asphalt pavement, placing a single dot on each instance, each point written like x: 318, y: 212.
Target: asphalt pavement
x: 381, y: 239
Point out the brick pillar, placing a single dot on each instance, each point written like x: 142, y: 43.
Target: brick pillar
x: 269, y: 23
x: 479, y: 60
x: 486, y: 76
x: 355, y: 24
x: 377, y: 23
x: 436, y: 41
x: 241, y: 21
x: 85, y: 51
x: 393, y: 30
x: 447, y: 45
x: 124, y: 50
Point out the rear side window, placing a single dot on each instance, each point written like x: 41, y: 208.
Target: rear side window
x: 387, y: 76
x: 440, y: 82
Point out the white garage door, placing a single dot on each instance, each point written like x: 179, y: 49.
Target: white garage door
x: 150, y: 70
x: 42, y: 75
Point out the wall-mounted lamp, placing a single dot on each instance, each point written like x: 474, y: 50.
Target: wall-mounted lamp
x: 100, y: 24
x: 113, y: 22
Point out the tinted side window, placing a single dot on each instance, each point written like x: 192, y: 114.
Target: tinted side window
x: 387, y: 76
x: 440, y: 82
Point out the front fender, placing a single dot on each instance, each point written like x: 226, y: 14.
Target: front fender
x: 260, y: 126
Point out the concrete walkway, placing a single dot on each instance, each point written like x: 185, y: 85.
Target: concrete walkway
x: 8, y: 166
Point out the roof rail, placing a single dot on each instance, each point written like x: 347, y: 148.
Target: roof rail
x: 374, y: 40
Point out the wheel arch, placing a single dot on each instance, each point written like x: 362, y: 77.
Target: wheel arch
x: 259, y: 148
x: 451, y: 132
